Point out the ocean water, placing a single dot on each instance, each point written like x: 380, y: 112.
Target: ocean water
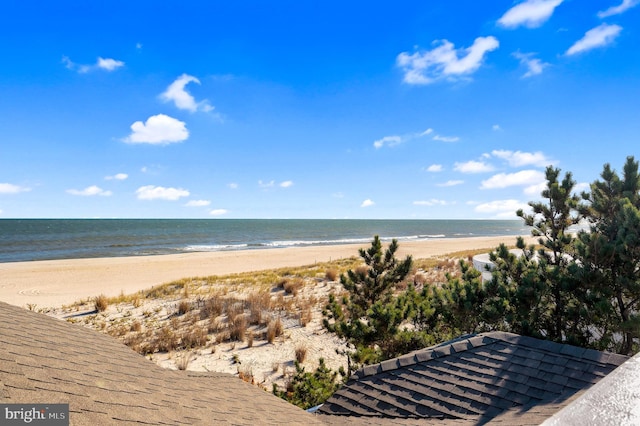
x: 40, y: 239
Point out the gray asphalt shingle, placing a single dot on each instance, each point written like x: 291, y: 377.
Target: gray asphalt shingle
x: 493, y: 377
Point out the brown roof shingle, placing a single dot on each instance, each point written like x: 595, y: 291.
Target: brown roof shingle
x: 44, y: 360
x: 493, y: 377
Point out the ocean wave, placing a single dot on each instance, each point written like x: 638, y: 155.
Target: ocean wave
x: 303, y: 243
x: 296, y: 243
x: 216, y: 247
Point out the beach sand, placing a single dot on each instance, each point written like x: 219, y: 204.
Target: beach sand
x: 49, y: 284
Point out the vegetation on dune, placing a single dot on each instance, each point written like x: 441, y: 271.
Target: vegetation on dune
x: 307, y: 390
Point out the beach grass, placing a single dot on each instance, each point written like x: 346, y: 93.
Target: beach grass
x: 203, y: 315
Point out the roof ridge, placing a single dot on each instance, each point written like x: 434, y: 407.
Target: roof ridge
x: 470, y: 341
x: 456, y: 345
x: 566, y: 349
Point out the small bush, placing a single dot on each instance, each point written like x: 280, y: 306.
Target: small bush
x: 183, y: 307
x: 306, y: 315
x: 136, y: 341
x: 101, y: 303
x: 274, y: 329
x: 301, y: 353
x: 183, y: 361
x: 234, y: 307
x: 166, y: 340
x: 215, y: 325
x: 223, y: 336
x: 212, y: 307
x: 238, y: 327
x: 419, y: 279
x: 136, y: 302
x: 293, y: 286
x: 136, y: 326
x: 194, y: 338
x: 331, y: 274
x: 258, y: 303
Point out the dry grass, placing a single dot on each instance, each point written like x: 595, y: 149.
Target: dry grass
x: 183, y: 360
x: 274, y: 329
x: 194, y: 337
x: 183, y: 307
x: 331, y: 274
x: 101, y: 303
x: 259, y: 303
x: 301, y: 353
x: 252, y: 308
x: 165, y: 340
x: 238, y: 327
x: 293, y: 286
x: 211, y: 307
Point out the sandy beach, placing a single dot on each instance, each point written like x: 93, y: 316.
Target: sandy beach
x: 55, y: 283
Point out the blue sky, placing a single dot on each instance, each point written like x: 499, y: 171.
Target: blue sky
x: 303, y: 109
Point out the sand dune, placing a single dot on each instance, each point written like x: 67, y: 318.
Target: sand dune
x: 57, y: 282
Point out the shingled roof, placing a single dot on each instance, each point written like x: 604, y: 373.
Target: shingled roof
x: 46, y: 361
x: 493, y: 377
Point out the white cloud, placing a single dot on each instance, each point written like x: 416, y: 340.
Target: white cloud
x: 501, y: 208
x: 9, y: 188
x: 496, y: 128
x: 535, y: 190
x: 621, y: 8
x: 117, y: 176
x: 444, y: 61
x: 218, y: 212
x: 450, y: 183
x: 182, y: 99
x: 388, y: 141
x: 107, y: 64
x: 582, y: 186
x: 534, y: 65
x: 473, y: 167
x: 233, y: 185
x: 90, y: 191
x: 198, y: 203
x: 367, y: 203
x: 286, y: 184
x: 151, y: 192
x: 446, y: 138
x: 431, y: 202
x: 158, y: 130
x: 434, y: 168
x: 520, y: 159
x: 599, y: 36
x: 269, y: 184
x: 522, y: 178
x: 530, y: 13
x: 397, y: 140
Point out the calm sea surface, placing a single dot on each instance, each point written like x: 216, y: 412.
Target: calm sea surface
x: 40, y: 239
